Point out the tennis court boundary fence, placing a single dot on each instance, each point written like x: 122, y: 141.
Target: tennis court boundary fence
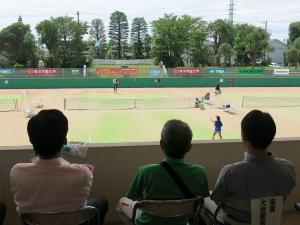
x: 123, y: 104
x: 261, y: 102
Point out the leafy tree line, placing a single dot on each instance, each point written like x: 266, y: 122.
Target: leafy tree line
x: 172, y: 40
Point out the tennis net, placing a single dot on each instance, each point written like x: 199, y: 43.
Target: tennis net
x: 254, y: 102
x: 110, y: 104
x: 8, y: 104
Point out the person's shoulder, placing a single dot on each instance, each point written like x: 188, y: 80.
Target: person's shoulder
x: 284, y: 162
x: 20, y: 168
x: 237, y: 167
x: 196, y: 167
x: 149, y: 167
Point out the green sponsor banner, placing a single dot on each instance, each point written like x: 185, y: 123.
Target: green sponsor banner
x: 75, y: 71
x: 251, y: 71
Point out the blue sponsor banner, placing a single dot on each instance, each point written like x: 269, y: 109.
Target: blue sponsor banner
x: 6, y: 71
x: 155, y: 72
x: 217, y: 70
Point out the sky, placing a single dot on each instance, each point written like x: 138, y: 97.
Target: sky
x: 278, y: 13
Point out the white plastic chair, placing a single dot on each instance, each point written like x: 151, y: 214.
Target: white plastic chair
x: 87, y: 215
x: 170, y: 208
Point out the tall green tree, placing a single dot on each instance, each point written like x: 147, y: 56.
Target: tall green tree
x: 63, y: 37
x: 226, y: 51
x: 294, y: 31
x: 118, y: 33
x: 98, y: 37
x: 221, y: 31
x: 293, y: 53
x: 18, y: 45
x: 173, y: 36
x: 139, y: 31
x: 250, y: 44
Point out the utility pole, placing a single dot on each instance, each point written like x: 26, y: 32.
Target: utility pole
x: 77, y: 13
x: 231, y: 9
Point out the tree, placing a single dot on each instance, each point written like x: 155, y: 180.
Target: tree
x: 139, y: 31
x: 118, y: 32
x: 293, y: 56
x: 226, y: 51
x: 293, y: 53
x: 294, y: 31
x: 221, y: 31
x: 63, y: 38
x: 250, y: 44
x: 98, y: 37
x: 18, y: 45
x: 173, y: 36
x: 148, y: 46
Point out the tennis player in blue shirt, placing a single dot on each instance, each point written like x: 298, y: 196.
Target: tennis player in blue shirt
x: 218, y: 127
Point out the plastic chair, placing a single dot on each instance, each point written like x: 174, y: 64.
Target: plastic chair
x: 266, y: 210
x: 170, y: 208
x: 87, y: 215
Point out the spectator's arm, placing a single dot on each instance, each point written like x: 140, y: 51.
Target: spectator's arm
x: 135, y: 191
x: 220, y: 191
x: 90, y: 167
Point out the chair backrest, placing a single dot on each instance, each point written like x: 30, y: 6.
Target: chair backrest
x: 264, y: 211
x: 171, y: 208
x: 62, y: 218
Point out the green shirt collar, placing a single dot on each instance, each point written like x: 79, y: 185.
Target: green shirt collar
x: 168, y: 159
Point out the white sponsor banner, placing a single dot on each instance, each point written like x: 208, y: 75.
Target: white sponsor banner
x: 281, y: 71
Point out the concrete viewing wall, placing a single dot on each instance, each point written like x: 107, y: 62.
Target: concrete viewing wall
x: 116, y: 164
x: 35, y: 83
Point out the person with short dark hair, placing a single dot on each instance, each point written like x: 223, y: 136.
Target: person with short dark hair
x: 152, y: 181
x: 260, y: 174
x: 49, y: 183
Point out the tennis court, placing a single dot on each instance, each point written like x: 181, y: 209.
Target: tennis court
x: 105, y: 122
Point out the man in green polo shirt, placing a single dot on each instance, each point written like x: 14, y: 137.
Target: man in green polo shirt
x: 153, y: 182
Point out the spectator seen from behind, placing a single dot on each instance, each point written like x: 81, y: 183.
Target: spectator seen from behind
x: 152, y: 181
x: 49, y: 183
x: 260, y: 174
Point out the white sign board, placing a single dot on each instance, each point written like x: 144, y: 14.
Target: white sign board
x: 266, y: 211
x: 281, y: 71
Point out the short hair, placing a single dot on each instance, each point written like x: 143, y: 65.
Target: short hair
x: 258, y: 128
x: 176, y: 137
x: 47, y: 132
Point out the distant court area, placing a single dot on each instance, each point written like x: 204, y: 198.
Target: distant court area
x: 138, y: 114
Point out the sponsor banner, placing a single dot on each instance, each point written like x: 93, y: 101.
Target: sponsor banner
x: 156, y: 72
x: 6, y: 71
x: 42, y: 71
x: 217, y: 71
x: 75, y: 71
x: 117, y: 71
x: 251, y: 71
x: 281, y: 71
x: 186, y: 71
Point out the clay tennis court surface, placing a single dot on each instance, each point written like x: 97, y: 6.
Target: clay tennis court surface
x: 138, y: 125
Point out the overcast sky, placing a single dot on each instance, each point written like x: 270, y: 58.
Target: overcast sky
x: 278, y: 13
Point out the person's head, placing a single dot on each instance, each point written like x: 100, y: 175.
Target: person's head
x: 258, y: 129
x: 218, y: 118
x: 176, y: 137
x: 197, y: 99
x: 47, y: 133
